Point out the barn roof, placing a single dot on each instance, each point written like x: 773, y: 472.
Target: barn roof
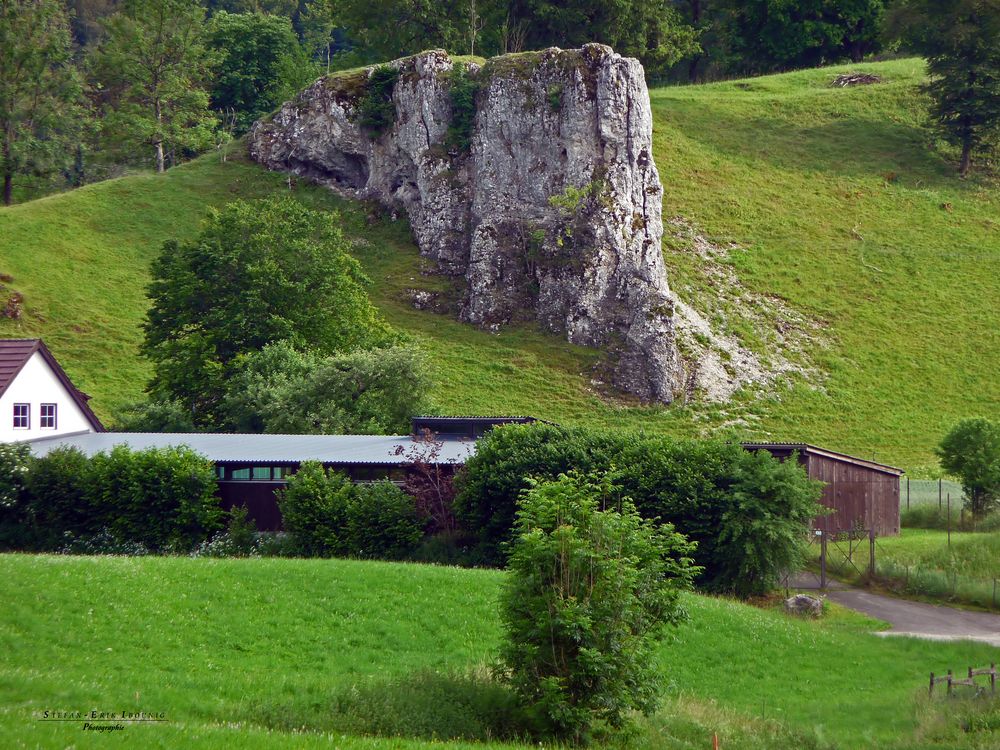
x: 806, y: 448
x: 14, y: 355
x: 270, y: 449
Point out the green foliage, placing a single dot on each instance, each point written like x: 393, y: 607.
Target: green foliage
x: 60, y: 486
x: 971, y: 451
x: 431, y: 705
x: 152, y: 416
x: 261, y: 64
x: 765, y: 35
x: 387, y: 29
x: 747, y: 512
x: 376, y: 111
x: 240, y: 538
x: 15, y: 464
x: 259, y: 272
x: 504, y: 462
x: 163, y: 498
x: 382, y: 522
x: 40, y: 91
x: 590, y: 588
x: 151, y: 72
x: 315, y: 508
x: 281, y: 390
x: 961, y: 42
x: 462, y: 91
x: 651, y: 30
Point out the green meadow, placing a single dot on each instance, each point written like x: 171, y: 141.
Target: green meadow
x: 309, y: 653
x: 836, y: 201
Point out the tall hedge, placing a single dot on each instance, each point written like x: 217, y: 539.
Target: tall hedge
x: 748, y: 512
x: 314, y: 509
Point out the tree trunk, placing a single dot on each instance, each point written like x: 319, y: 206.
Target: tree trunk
x: 8, y: 189
x: 159, y: 138
x: 963, y: 167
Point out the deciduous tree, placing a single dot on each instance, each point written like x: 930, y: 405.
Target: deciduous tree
x: 151, y: 75
x: 971, y: 452
x: 40, y: 90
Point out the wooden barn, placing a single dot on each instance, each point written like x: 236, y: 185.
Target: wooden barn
x: 862, y: 493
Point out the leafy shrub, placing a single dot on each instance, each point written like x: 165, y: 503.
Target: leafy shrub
x: 59, y: 485
x: 376, y: 110
x: 748, y: 512
x: 153, y: 416
x: 590, y: 589
x: 15, y: 521
x: 506, y: 459
x: 314, y: 509
x: 382, y: 522
x: 163, y: 498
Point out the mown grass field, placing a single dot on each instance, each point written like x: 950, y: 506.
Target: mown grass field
x: 258, y: 653
x: 844, y: 209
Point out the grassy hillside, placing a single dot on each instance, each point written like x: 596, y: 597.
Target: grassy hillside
x: 294, y: 653
x: 843, y: 211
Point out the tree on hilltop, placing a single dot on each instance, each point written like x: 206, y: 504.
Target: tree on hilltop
x: 150, y: 75
x: 961, y: 41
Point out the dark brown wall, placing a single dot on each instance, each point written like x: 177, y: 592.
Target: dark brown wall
x: 259, y: 499
x: 861, y: 497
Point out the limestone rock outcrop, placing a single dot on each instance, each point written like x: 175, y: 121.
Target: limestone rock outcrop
x: 541, y: 194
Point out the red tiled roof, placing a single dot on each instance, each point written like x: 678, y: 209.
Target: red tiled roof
x: 15, y: 353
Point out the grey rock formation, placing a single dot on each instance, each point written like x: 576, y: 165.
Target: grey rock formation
x: 805, y: 605
x: 549, y: 205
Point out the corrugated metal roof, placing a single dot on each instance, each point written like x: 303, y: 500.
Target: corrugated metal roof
x: 266, y: 449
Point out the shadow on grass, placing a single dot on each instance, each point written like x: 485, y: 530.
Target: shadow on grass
x: 426, y: 705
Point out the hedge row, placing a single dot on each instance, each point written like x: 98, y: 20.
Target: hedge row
x: 160, y: 498
x: 748, y: 512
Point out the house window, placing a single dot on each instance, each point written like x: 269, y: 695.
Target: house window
x: 48, y: 417
x: 22, y: 416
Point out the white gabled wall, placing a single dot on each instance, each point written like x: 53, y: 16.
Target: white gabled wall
x: 37, y: 384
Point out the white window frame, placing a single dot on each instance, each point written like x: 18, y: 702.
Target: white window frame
x: 42, y: 416
x: 26, y: 417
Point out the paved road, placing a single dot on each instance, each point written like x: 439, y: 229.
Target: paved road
x: 916, y: 619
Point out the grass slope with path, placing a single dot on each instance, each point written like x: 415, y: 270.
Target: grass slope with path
x: 840, y: 207
x: 275, y: 652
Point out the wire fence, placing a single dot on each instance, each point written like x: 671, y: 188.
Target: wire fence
x: 920, y: 492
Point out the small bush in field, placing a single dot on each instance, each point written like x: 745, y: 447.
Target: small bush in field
x: 383, y: 523
x: 238, y: 540
x: 314, y: 509
x: 590, y: 588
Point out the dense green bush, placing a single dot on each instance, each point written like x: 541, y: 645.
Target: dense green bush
x: 376, y: 110
x: 971, y: 451
x: 15, y: 530
x: 59, y: 488
x: 163, y: 498
x: 314, y: 509
x: 489, y: 485
x: 382, y: 522
x: 589, y: 592
x: 748, y: 512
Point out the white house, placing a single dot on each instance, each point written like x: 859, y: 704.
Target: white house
x: 37, y: 399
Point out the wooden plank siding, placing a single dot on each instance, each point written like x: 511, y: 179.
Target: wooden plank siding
x: 860, y: 497
x: 863, y: 494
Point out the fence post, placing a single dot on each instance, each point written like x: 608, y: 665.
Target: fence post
x: 931, y: 690
x: 949, y: 520
x: 993, y: 678
x: 939, y: 494
x: 871, y: 552
x: 907, y: 493
x: 822, y: 561
x: 994, y: 592
x: 949, y: 682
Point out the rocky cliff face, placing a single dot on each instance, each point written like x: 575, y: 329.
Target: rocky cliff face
x: 538, y: 187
